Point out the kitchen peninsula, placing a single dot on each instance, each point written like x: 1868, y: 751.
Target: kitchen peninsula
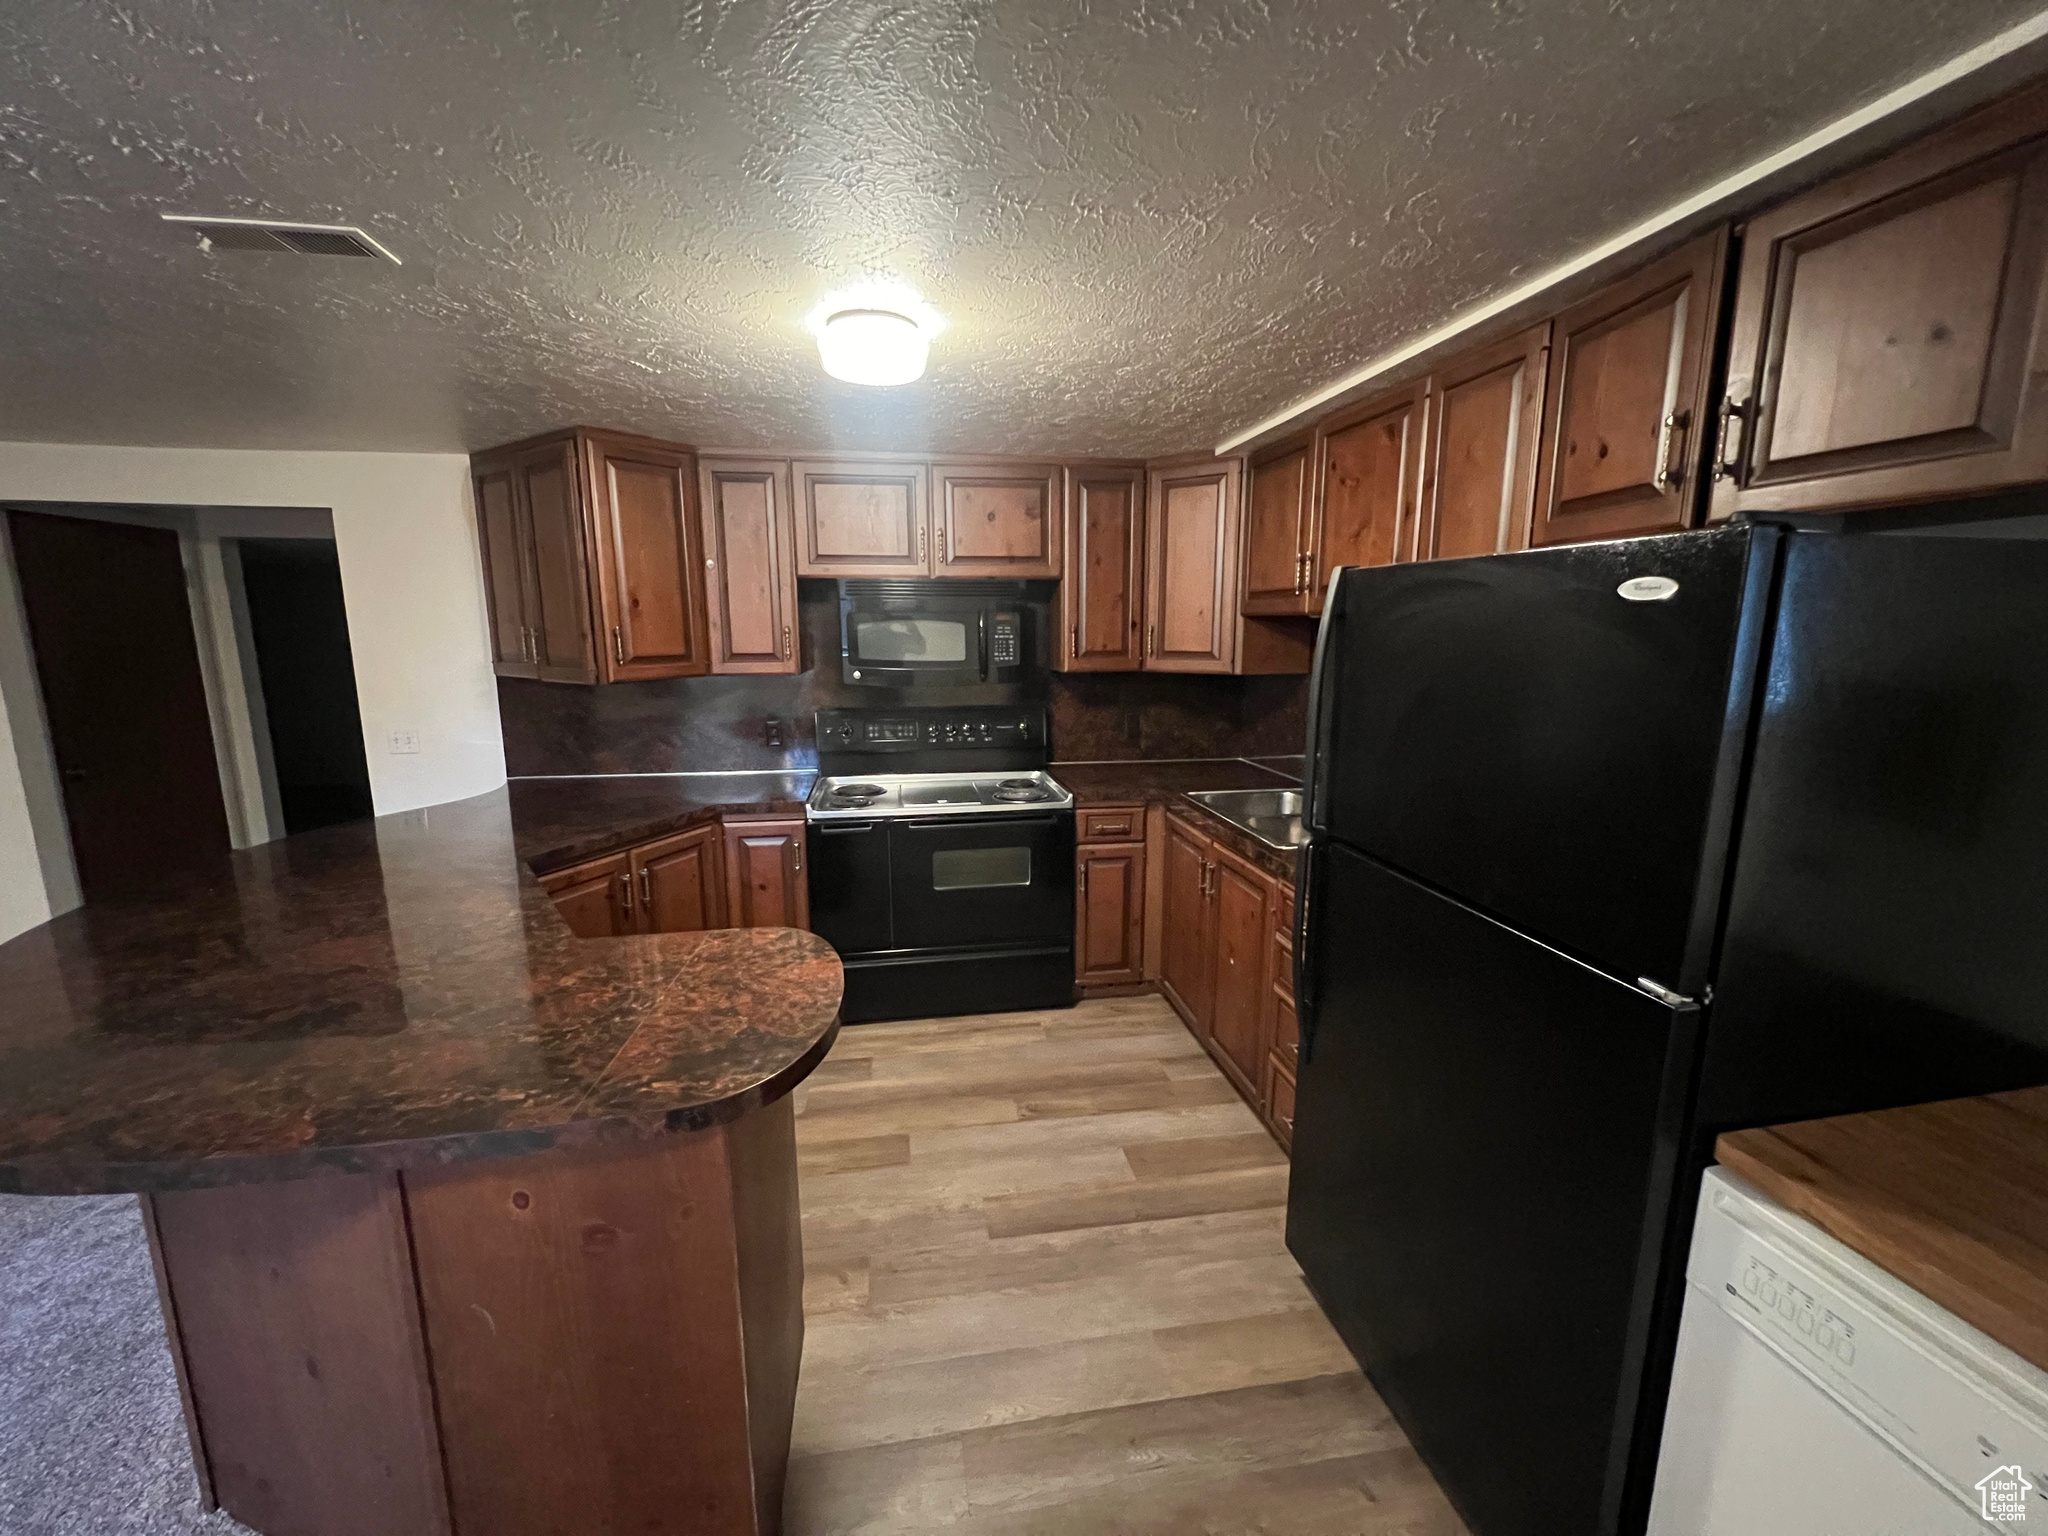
x: 459, y: 1222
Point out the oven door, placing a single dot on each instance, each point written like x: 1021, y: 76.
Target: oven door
x: 982, y: 880
x: 944, y: 646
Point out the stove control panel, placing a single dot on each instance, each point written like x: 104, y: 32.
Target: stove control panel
x: 883, y: 731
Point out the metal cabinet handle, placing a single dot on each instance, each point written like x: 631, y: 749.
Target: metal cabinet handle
x: 796, y: 853
x: 646, y: 886
x: 1731, y: 441
x: 618, y: 645
x: 942, y: 543
x: 1666, y: 477
x: 920, y: 544
x: 785, y: 642
x: 626, y: 892
x: 1152, y: 639
x: 1084, y: 879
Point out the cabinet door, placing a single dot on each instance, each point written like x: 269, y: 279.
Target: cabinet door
x: 1187, y: 970
x: 595, y: 899
x: 1276, y: 530
x: 1485, y: 420
x: 996, y: 519
x: 861, y: 519
x: 503, y: 545
x: 765, y: 886
x: 749, y: 565
x: 1884, y: 323
x: 1368, y: 483
x: 1243, y: 900
x: 680, y: 884
x: 1109, y: 914
x: 1279, y: 1101
x: 1191, y: 568
x: 650, y: 559
x: 1101, y: 594
x: 558, y: 608
x: 1624, y: 412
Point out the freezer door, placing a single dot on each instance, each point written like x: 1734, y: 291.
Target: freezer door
x: 1887, y: 933
x: 1554, y: 737
x: 1485, y: 1148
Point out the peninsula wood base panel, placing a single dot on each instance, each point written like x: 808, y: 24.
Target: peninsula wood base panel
x: 597, y: 1339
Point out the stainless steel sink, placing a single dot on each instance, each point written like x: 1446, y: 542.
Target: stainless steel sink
x: 1273, y: 816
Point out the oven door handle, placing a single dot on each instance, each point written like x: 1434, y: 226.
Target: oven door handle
x: 835, y: 828
x: 945, y: 823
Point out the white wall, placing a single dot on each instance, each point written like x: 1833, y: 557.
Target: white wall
x: 410, y: 578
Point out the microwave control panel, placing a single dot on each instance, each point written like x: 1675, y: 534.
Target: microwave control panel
x: 1004, y: 642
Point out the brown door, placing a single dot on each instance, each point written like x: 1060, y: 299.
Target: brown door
x: 1276, y: 530
x: 679, y: 882
x: 558, y: 593
x: 765, y: 884
x: 1109, y: 914
x: 502, y: 541
x: 119, y: 668
x: 1883, y: 326
x: 596, y: 899
x: 650, y: 559
x: 861, y: 519
x: 1187, y: 970
x: 1102, y: 592
x: 1242, y: 897
x: 1624, y: 414
x: 1484, y: 425
x: 1191, y: 567
x: 996, y: 519
x: 751, y: 564
x: 1369, y: 483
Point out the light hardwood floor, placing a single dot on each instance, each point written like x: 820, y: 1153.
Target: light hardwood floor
x: 1047, y: 1293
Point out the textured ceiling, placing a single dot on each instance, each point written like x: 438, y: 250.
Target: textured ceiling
x: 1150, y: 223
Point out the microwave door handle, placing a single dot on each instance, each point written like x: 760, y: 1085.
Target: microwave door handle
x: 981, y: 631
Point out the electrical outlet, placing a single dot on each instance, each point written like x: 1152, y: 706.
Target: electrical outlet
x: 405, y: 741
x: 773, y: 734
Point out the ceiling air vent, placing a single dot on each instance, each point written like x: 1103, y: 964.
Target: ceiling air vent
x: 268, y: 235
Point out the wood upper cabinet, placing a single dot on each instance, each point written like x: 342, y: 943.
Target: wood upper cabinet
x: 1279, y: 529
x: 1102, y: 590
x: 680, y: 882
x: 650, y: 558
x: 1187, y: 971
x: 749, y: 565
x: 532, y: 538
x: 595, y: 899
x: 1369, y: 470
x: 1887, y: 324
x: 1242, y: 897
x: 504, y: 544
x: 996, y: 519
x: 1109, y: 914
x: 861, y: 518
x: 1479, y: 475
x: 765, y: 884
x: 1191, y: 567
x: 1625, y: 408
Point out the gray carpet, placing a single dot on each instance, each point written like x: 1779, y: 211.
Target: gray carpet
x: 91, y: 1439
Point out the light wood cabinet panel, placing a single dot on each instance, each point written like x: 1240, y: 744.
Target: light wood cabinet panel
x: 996, y: 519
x: 1485, y: 421
x: 1109, y: 914
x: 1102, y: 591
x: 750, y: 565
x: 1886, y: 325
x: 559, y: 614
x: 1278, y: 529
x: 650, y: 559
x: 1369, y: 466
x: 595, y: 899
x: 1242, y: 897
x: 765, y: 883
x: 1191, y: 568
x: 680, y: 882
x: 1187, y: 972
x: 1625, y: 406
x: 859, y: 518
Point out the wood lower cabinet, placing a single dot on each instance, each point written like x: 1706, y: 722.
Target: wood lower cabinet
x: 1109, y: 913
x: 1279, y: 530
x: 1103, y: 585
x: 1885, y: 324
x: 1624, y: 415
x: 749, y: 565
x: 765, y: 885
x: 1243, y: 900
x: 1186, y: 973
x: 680, y: 882
x: 861, y: 518
x: 996, y: 519
x: 1479, y: 465
x: 1279, y: 1097
x: 1369, y: 468
x: 597, y: 899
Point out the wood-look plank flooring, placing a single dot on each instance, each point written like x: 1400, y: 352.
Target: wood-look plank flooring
x: 1047, y: 1292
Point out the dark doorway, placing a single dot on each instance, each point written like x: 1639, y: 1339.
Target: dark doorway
x: 299, y: 630
x: 119, y: 669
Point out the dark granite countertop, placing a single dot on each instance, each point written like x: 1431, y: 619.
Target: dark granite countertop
x: 378, y: 995
x: 559, y: 822
x: 1156, y: 783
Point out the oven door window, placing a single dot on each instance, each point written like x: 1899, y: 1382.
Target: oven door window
x: 910, y: 642
x: 979, y: 869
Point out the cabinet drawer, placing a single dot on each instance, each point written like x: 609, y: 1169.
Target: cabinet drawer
x: 1286, y: 1029
x: 1280, y: 1101
x: 1111, y: 824
x: 1285, y: 920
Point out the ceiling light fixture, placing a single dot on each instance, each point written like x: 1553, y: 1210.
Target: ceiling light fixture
x: 878, y: 333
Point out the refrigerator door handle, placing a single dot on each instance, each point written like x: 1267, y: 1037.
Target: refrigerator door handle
x: 1318, y: 683
x: 1304, y: 972
x: 1670, y: 997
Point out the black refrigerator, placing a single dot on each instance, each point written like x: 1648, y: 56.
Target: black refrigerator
x: 1611, y: 848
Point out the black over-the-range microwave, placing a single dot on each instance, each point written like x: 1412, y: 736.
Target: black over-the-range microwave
x: 937, y: 633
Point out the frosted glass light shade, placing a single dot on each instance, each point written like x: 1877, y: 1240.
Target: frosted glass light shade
x: 871, y: 346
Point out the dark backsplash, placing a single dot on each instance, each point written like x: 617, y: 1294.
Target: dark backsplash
x: 713, y: 724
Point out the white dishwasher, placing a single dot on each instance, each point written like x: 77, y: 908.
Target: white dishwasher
x: 1817, y: 1395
